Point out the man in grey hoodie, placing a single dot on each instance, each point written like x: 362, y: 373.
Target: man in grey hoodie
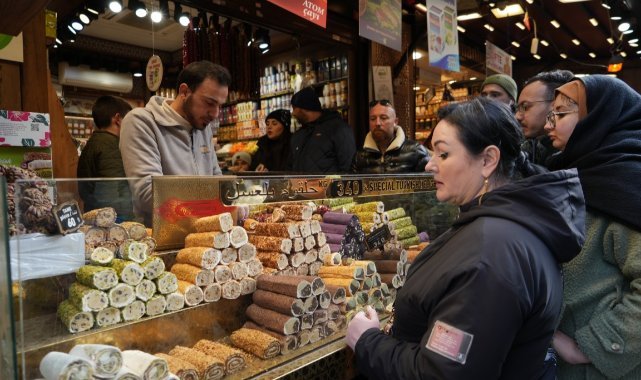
x: 174, y: 138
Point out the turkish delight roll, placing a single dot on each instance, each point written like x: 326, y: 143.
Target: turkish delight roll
x: 272, y: 259
x: 106, y: 360
x: 190, y: 273
x: 369, y: 206
x: 154, y: 266
x: 110, y: 245
x: 298, y: 244
x: 279, y: 302
x: 332, y: 259
x: 209, y: 367
x: 101, y: 217
x: 215, y: 239
x: 325, y: 299
x: 62, y: 366
x: 256, y: 342
x: 246, y: 252
x: 297, y: 259
x: 406, y: 232
x: 348, y: 272
x: 94, y: 235
x: 108, y: 316
x: 126, y: 374
x: 181, y: 368
x: 315, y: 267
x: 315, y: 227
x: 166, y: 283
x: 134, y: 311
x: 151, y: 243
x: 414, y: 240
x: 212, y: 292
x: 145, y: 290
x: 351, y: 286
x: 121, y: 295
x: 133, y: 250
x: 117, y: 234
x: 136, y: 231
x: 86, y: 298
x: 401, y: 222
x: 228, y: 255
x: 285, y: 230
x: 202, y: 257
x: 147, y: 366
x: 101, y: 256
x: 247, y: 285
x: 320, y: 316
x: 156, y: 305
x: 192, y: 293
x: 311, y: 304
x: 250, y: 224
x: 222, y: 274
x: 254, y: 267
x: 175, y: 301
x: 338, y: 293
x: 287, y: 285
x: 232, y: 358
x: 321, y: 239
x: 129, y: 272
x: 280, y: 323
x: 75, y: 319
x: 221, y: 222
x: 97, y: 277
x: 305, y: 228
x: 270, y: 243
x: 231, y: 290
x: 297, y: 211
x: 396, y: 213
x: 288, y: 343
x: 238, y: 270
x: 237, y: 237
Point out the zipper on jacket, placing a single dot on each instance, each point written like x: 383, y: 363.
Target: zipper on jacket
x: 193, y: 154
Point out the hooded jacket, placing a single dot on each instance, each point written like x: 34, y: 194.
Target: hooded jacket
x: 156, y: 140
x: 494, y: 275
x: 401, y: 156
x: 325, y: 145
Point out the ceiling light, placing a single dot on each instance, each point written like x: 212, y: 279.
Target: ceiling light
x: 473, y: 78
x: 182, y: 17
x: 610, y: 40
x: 76, y: 24
x: 545, y: 43
x: 156, y: 16
x: 460, y: 29
x: 516, y: 44
x: 84, y: 18
x: 604, y: 5
x: 452, y: 81
x: 555, y: 24
x: 137, y: 75
x: 615, y: 64
x: 634, y: 45
x: 592, y: 55
x: 265, y: 51
x: 638, y: 51
x: 628, y: 31
x: 520, y: 25
x: 58, y: 41
x: 615, y: 18
x: 71, y: 29
x: 576, y: 42
x: 92, y: 10
x: 623, y: 54
x: 421, y: 7
x: 416, y: 88
x: 513, y: 57
x: 469, y: 16
x: 537, y: 56
x: 139, y: 8
x: 489, y: 27
x: 571, y: 1
x: 115, y: 6
x: 530, y: 1
x: 633, y: 41
x: 594, y: 22
x: 564, y: 56
x: 623, y: 26
x: 508, y: 11
x: 417, y: 55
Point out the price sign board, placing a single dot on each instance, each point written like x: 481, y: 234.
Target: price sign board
x: 68, y: 217
x: 378, y: 237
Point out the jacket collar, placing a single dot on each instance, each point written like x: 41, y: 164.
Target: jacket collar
x: 165, y: 115
x: 397, y: 142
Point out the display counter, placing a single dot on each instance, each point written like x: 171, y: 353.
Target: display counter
x: 74, y: 302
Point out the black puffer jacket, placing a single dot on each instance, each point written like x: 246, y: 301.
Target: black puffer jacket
x: 402, y: 156
x: 494, y: 275
x: 325, y: 145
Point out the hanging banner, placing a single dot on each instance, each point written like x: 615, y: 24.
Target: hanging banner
x: 311, y: 10
x: 382, y: 77
x: 497, y: 60
x: 380, y: 21
x: 442, y: 34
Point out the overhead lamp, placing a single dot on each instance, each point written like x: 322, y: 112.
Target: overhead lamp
x: 628, y: 31
x: 468, y: 16
x: 571, y: 1
x: 615, y: 64
x: 460, y: 29
x: 564, y: 56
x: 489, y: 27
x: 137, y: 74
x: 516, y: 44
x: 592, y: 55
x: 264, y: 51
x: 156, y: 16
x: 421, y: 7
x: 537, y: 56
x: 576, y: 42
x: 84, y: 18
x: 615, y: 17
x: 58, y: 41
x: 530, y: 1
x: 115, y: 6
x: 513, y: 57
x: 71, y: 29
x: 181, y: 17
x: 633, y: 41
x: 593, y: 21
x: 638, y: 51
x: 76, y: 24
x: 623, y: 54
x: 624, y: 26
x: 417, y: 88
x: 508, y: 11
x: 473, y: 78
x: 545, y: 43
x: 139, y: 8
x: 520, y: 25
x: 555, y: 24
x: 610, y: 40
x: 605, y: 5
x: 417, y: 55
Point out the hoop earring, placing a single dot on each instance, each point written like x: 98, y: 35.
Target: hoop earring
x: 486, y: 184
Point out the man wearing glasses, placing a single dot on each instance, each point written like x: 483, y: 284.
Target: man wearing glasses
x: 535, y: 101
x: 386, y: 150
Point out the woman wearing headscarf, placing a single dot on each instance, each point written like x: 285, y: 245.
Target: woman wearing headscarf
x: 596, y: 124
x: 482, y: 300
x: 273, y: 148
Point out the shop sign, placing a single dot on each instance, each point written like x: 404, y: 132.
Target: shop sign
x: 68, y: 217
x: 380, y: 21
x: 382, y: 77
x: 154, y: 73
x: 311, y: 10
x: 497, y: 60
x: 442, y: 34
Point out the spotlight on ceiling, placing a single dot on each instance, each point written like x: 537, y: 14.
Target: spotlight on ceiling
x: 181, y: 17
x: 84, y: 17
x: 507, y: 10
x: 262, y: 40
x: 77, y: 24
x: 139, y: 8
x: 115, y: 6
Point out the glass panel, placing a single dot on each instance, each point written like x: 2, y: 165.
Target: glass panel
x: 7, y: 331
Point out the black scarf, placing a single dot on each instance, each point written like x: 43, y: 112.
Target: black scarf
x: 605, y: 147
x: 274, y: 154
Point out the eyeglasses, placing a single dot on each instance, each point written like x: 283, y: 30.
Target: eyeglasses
x: 524, y: 106
x: 551, y: 116
x: 383, y: 102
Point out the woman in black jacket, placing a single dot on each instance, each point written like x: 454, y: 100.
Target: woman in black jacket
x: 273, y: 147
x: 482, y: 300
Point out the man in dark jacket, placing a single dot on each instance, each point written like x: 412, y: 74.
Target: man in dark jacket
x: 101, y: 159
x: 386, y: 150
x: 325, y: 143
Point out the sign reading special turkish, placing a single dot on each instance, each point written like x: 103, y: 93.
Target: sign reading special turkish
x: 380, y: 21
x: 497, y: 60
x: 442, y: 34
x: 311, y: 10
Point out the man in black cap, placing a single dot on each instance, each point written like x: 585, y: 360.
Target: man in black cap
x: 325, y: 143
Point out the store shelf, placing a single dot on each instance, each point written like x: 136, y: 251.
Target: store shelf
x: 237, y: 140
x: 275, y: 94
x: 318, y: 84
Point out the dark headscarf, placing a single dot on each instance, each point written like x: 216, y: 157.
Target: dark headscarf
x: 274, y: 154
x: 605, y: 147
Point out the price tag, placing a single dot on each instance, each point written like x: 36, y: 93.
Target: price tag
x: 68, y: 217
x: 154, y: 73
x: 378, y: 237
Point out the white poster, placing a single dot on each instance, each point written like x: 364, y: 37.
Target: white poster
x: 497, y: 61
x: 383, y: 83
x: 442, y: 35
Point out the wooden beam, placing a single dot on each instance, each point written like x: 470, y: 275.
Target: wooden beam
x: 15, y: 14
x: 34, y: 68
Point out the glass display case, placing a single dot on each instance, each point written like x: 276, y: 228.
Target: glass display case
x: 78, y: 276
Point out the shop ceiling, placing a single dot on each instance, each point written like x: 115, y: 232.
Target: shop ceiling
x: 580, y: 31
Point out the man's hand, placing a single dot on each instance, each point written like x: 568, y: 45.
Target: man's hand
x: 568, y: 350
x: 361, y: 323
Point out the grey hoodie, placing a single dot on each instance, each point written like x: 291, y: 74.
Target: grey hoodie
x: 156, y: 140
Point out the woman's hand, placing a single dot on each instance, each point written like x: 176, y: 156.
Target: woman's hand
x: 261, y: 168
x: 568, y: 349
x: 361, y: 323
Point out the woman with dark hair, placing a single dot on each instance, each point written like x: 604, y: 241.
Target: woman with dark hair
x: 596, y: 124
x: 482, y: 300
x: 273, y: 147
